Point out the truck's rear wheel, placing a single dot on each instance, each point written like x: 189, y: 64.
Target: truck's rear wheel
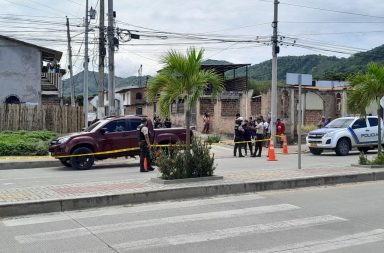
x: 82, y: 162
x: 316, y: 151
x: 65, y: 162
x: 342, y: 148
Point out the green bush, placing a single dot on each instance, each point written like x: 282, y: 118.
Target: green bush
x: 378, y: 160
x: 308, y: 128
x: 172, y: 164
x: 215, y: 138
x: 14, y: 143
x: 363, y: 160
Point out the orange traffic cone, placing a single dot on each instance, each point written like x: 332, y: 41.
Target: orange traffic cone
x: 285, y: 146
x: 145, y: 164
x: 271, y: 152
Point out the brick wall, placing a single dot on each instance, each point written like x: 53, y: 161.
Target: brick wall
x: 312, y: 117
x: 207, y: 105
x: 236, y: 84
x: 255, y: 107
x: 230, y: 107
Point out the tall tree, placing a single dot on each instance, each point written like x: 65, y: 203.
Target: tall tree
x: 182, y: 78
x: 366, y: 88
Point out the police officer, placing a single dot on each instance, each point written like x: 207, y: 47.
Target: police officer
x: 144, y: 145
x: 239, y: 136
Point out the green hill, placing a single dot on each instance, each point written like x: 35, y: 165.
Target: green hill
x: 321, y: 67
x: 93, y: 81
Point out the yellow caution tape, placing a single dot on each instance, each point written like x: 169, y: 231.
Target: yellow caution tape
x: 127, y: 149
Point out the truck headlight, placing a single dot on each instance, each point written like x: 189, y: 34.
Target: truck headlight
x: 62, y: 140
x: 329, y: 134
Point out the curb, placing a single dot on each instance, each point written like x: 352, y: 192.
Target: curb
x: 27, y: 208
x: 28, y: 164
x: 185, y: 180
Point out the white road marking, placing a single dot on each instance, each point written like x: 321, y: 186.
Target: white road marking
x: 37, y: 219
x: 227, y: 233
x: 326, y: 245
x: 71, y: 233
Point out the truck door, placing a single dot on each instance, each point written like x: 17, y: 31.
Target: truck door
x: 373, y: 130
x: 115, y: 136
x: 132, y: 135
x: 360, y: 131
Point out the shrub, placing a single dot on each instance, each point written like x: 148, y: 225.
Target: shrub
x: 25, y: 142
x: 172, y: 164
x: 215, y: 138
x: 308, y: 128
x: 363, y: 160
x: 378, y: 160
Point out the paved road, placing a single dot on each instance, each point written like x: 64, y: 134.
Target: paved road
x: 344, y: 218
x: 127, y: 169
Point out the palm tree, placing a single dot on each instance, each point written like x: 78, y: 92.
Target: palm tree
x: 182, y: 78
x: 366, y: 88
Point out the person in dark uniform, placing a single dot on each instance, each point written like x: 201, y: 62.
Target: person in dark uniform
x: 239, y: 136
x: 248, y: 136
x: 145, y: 144
x: 167, y: 123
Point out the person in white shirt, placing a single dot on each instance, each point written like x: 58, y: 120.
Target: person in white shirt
x: 259, y: 137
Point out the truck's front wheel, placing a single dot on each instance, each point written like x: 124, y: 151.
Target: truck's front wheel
x: 65, y: 162
x: 316, y: 151
x: 342, y: 148
x: 82, y: 162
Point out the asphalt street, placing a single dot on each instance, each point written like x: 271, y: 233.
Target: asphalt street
x: 344, y: 218
x: 128, y: 168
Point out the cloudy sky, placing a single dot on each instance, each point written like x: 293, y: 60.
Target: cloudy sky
x: 236, y: 31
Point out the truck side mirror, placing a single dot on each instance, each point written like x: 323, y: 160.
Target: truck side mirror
x: 103, y: 130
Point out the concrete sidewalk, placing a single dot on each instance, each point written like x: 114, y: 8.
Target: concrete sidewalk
x: 60, y: 189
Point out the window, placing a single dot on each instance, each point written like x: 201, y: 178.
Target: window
x: 133, y: 124
x: 139, y: 96
x: 373, y: 122
x: 12, y: 100
x: 360, y: 123
x: 116, y: 126
x: 139, y: 110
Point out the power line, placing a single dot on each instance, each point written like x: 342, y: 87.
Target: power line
x: 329, y: 10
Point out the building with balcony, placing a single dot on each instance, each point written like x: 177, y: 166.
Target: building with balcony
x: 22, y: 76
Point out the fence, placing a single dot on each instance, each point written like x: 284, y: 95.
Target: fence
x: 60, y: 119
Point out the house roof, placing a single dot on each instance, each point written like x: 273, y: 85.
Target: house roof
x: 304, y: 87
x: 129, y: 88
x: 223, y: 67
x: 47, y: 53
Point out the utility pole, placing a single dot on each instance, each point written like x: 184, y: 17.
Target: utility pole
x: 111, y: 60
x: 275, y: 51
x: 85, y: 93
x: 70, y: 66
x: 100, y: 102
x: 299, y: 125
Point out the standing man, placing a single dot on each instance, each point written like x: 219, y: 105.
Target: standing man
x: 267, y: 131
x: 239, y: 136
x: 280, y: 130
x: 145, y: 144
x: 259, y: 137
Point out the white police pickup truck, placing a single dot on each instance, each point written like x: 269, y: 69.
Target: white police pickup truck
x: 343, y: 134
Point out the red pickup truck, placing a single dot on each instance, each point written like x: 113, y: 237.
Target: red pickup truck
x: 112, y: 133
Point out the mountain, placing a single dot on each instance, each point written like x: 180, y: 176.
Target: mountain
x: 93, y: 82
x: 321, y: 67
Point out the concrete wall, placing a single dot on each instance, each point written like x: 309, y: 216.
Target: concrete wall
x: 20, y: 72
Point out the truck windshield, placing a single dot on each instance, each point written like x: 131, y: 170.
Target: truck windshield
x: 339, y: 123
x: 93, y: 126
